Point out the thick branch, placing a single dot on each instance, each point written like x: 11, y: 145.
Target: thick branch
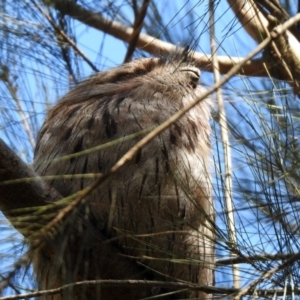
x: 250, y: 18
x: 30, y: 192
x: 282, y: 57
x: 276, y: 10
x: 149, y: 43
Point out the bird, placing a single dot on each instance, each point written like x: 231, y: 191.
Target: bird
x: 156, y: 210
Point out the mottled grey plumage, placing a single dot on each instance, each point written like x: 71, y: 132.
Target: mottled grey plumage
x: 160, y: 202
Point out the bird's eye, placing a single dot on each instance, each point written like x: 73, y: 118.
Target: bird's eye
x: 192, y: 71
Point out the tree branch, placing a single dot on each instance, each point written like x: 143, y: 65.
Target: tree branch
x: 282, y: 57
x: 149, y: 43
x: 152, y: 284
x: 250, y: 18
x: 254, y: 258
x: 137, y: 27
x: 248, y: 289
x: 29, y: 192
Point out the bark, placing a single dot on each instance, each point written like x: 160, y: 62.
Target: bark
x: 282, y: 57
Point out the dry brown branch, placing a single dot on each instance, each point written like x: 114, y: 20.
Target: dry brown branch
x: 250, y: 18
x: 275, y: 9
x: 65, y: 37
x: 283, y: 52
x: 137, y: 27
x: 151, y: 44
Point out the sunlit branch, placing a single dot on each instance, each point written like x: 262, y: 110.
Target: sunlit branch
x: 152, y: 44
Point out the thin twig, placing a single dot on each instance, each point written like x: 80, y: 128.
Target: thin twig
x: 266, y: 275
x: 148, y: 283
x: 253, y: 258
x: 137, y: 27
x: 23, y: 261
x: 13, y: 91
x: 65, y: 37
x: 226, y: 148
